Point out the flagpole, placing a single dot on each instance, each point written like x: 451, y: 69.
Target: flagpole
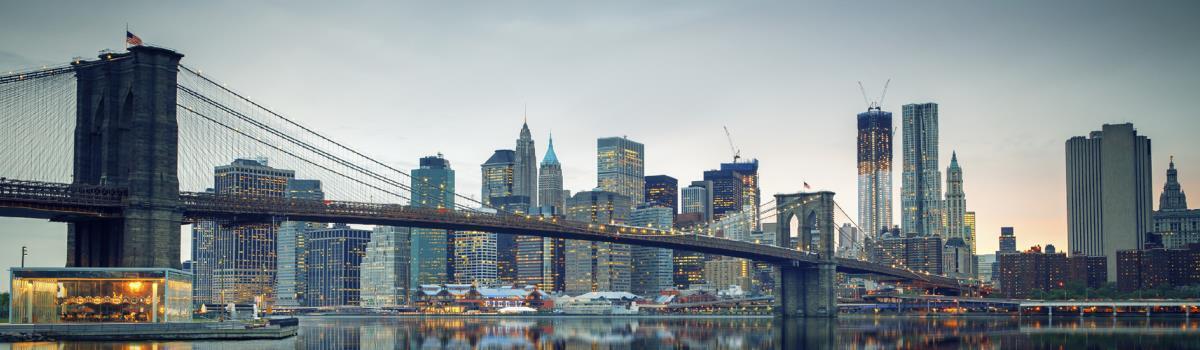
x: 126, y: 36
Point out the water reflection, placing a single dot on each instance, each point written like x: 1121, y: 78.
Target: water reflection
x: 706, y: 333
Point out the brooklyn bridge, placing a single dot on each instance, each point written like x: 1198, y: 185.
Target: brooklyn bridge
x: 120, y: 148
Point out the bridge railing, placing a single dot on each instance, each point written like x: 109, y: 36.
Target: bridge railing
x: 212, y: 204
x: 60, y: 193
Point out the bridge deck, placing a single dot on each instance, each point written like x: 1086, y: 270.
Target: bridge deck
x: 74, y: 202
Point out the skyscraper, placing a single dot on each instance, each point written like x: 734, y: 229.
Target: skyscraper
x: 525, y: 170
x: 475, y: 258
x: 689, y: 266
x: 697, y: 198
x: 244, y: 258
x: 499, y: 191
x: 386, y: 266
x: 550, y: 180
x: 540, y: 260
x: 335, y: 255
x: 432, y: 187
x: 969, y: 227
x: 727, y: 192
x: 1008, y: 241
x: 292, y: 268
x: 653, y: 268
x: 620, y: 168
x: 1108, y: 192
x: 875, y: 170
x: 499, y: 176
x: 663, y: 191
x: 747, y: 172
x: 921, y: 189
x: 597, y: 266
x: 956, y: 202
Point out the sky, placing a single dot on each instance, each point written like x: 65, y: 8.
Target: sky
x: 1013, y: 79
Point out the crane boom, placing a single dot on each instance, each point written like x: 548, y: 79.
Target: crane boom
x: 737, y: 154
x: 884, y: 94
x: 864, y: 93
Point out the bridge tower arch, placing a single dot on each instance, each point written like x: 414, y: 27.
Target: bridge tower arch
x: 126, y: 136
x: 807, y: 290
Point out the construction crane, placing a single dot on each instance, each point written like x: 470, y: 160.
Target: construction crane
x: 737, y: 153
x: 878, y: 103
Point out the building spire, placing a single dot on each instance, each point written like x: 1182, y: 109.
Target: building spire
x: 1172, y: 197
x: 550, y: 157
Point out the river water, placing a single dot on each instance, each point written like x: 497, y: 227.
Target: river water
x: 847, y: 332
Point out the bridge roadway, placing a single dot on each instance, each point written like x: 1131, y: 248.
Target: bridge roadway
x: 66, y: 202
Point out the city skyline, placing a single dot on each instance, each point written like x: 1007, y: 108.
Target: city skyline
x: 1017, y: 159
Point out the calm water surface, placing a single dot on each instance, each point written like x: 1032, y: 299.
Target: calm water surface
x: 848, y: 332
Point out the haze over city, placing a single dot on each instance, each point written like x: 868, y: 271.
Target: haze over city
x: 400, y: 81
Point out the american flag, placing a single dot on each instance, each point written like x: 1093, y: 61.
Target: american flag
x: 806, y: 186
x: 132, y: 39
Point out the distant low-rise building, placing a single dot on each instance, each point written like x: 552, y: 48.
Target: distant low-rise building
x: 1139, y: 269
x: 923, y: 253
x: 725, y: 272
x: 1025, y: 274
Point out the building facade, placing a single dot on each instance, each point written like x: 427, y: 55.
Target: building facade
x: 429, y: 249
x: 727, y: 192
x: 653, y: 268
x: 620, y: 167
x: 291, y: 267
x: 243, y: 258
x: 723, y: 272
x: 663, y: 191
x: 747, y: 173
x: 475, y: 258
x: 597, y: 266
x: 875, y: 170
x: 956, y: 202
x: 969, y: 232
x: 1008, y: 240
x: 957, y: 260
x: 334, y: 257
x: 1023, y: 275
x: 1175, y: 224
x: 386, y: 267
x: 921, y: 187
x: 689, y: 266
x: 525, y: 169
x: 1108, y: 192
x: 921, y: 253
x: 697, y: 198
x: 1141, y: 269
x: 550, y: 180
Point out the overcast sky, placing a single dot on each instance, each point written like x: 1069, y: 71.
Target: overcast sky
x: 1014, y: 80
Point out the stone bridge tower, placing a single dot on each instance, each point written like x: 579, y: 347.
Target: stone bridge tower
x: 807, y: 290
x: 126, y: 136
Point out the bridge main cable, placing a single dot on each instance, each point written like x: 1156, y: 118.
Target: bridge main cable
x: 314, y: 133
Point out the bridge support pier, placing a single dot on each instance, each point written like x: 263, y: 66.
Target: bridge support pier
x: 806, y: 291
x: 126, y: 136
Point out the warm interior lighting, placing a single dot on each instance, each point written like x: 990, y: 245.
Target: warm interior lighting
x: 135, y: 286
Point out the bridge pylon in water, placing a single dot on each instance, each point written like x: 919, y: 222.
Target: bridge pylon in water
x: 804, y: 289
x: 126, y: 136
